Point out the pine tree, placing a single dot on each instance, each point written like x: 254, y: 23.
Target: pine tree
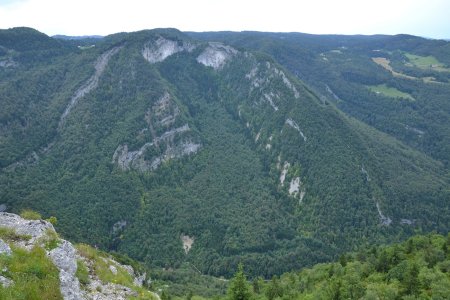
x: 239, y: 287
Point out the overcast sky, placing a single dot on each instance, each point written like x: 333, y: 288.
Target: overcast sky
x: 428, y: 18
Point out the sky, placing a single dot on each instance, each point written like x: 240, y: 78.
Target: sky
x: 427, y: 18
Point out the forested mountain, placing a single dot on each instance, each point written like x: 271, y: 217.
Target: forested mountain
x: 397, y: 84
x: 170, y: 149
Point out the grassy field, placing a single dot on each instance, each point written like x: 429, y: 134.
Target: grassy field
x: 385, y: 63
x: 426, y: 62
x: 384, y: 90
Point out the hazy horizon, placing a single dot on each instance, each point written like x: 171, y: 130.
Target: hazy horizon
x: 348, y: 17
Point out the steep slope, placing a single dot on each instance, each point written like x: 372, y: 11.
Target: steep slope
x: 37, y: 264
x: 397, y: 84
x: 416, y: 269
x: 172, y: 150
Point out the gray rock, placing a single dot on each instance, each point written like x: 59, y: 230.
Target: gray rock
x: 113, y: 269
x: 33, y: 228
x: 4, y: 248
x: 5, y: 282
x: 64, y: 258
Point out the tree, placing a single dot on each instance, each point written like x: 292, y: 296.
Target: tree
x: 274, y: 289
x: 165, y: 295
x: 239, y: 287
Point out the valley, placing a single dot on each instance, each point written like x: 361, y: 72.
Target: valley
x: 195, y: 152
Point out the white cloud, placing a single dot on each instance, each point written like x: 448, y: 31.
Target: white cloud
x: 420, y: 17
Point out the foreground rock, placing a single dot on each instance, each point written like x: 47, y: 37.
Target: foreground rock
x: 67, y: 259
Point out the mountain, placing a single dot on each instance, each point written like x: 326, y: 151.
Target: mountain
x: 174, y: 150
x: 397, y: 84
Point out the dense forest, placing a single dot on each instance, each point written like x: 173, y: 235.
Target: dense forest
x: 415, y: 269
x: 181, y: 152
x: 345, y: 69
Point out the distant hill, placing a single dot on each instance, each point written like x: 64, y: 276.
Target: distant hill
x: 83, y: 37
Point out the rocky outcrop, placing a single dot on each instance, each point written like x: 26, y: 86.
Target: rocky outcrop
x: 216, y: 55
x: 383, y: 219
x: 127, y: 160
x: 284, y: 172
x: 187, y: 242
x: 36, y: 233
x: 63, y: 256
x: 162, y: 48
x: 294, y: 125
x: 167, y: 142
x: 8, y: 63
x: 36, y: 230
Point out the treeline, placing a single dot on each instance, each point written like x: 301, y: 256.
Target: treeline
x: 418, y: 268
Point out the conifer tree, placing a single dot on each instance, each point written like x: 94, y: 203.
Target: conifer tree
x: 239, y: 287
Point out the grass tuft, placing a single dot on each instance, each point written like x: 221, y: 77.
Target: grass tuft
x: 29, y: 214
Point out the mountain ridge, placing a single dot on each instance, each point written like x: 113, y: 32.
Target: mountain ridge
x: 278, y: 179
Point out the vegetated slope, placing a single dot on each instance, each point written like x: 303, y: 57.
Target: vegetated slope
x: 416, y: 269
x: 150, y: 140
x: 344, y: 69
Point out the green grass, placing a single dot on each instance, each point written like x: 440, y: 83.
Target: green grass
x: 33, y: 274
x: 82, y: 272
x: 384, y: 90
x: 29, y: 214
x: 101, y: 264
x: 426, y: 62
x: 10, y: 235
x: 50, y: 240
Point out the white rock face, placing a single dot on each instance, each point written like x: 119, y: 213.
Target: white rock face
x: 384, y: 220
x: 216, y: 55
x: 288, y: 84
x: 128, y: 160
x: 284, y: 172
x: 294, y: 186
x: 270, y: 98
x: 161, y: 115
x: 162, y: 48
x: 364, y: 171
x: 294, y: 125
x: 296, y: 189
x: 187, y: 242
x: 406, y: 222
